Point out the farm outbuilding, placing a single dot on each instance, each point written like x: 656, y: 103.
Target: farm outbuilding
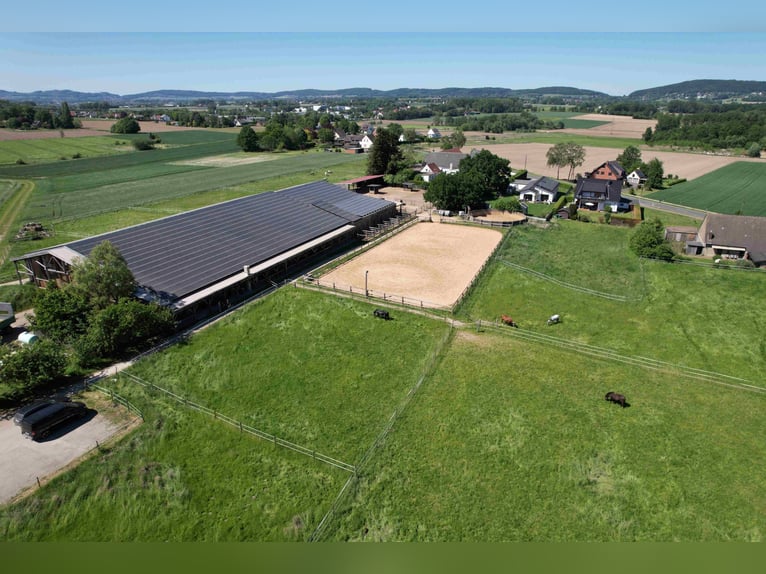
x: 201, y: 261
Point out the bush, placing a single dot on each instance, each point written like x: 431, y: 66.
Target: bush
x: 20, y: 162
x: 649, y: 241
x: 125, y: 126
x: 31, y: 366
x: 124, y: 329
x: 143, y: 145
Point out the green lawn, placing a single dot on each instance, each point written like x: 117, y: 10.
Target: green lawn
x: 514, y: 442
x: 734, y: 189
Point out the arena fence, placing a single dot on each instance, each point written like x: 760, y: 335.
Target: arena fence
x: 371, y: 295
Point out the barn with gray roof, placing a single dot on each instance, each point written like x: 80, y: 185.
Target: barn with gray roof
x: 218, y: 254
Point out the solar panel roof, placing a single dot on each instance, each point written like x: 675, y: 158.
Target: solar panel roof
x: 180, y: 254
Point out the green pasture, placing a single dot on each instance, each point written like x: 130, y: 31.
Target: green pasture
x: 734, y: 189
x: 508, y: 441
x: 131, y: 159
x: 689, y: 315
x: 180, y: 477
x: 36, y: 151
x: 314, y: 369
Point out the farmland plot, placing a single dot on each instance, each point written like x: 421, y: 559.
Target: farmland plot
x: 736, y: 188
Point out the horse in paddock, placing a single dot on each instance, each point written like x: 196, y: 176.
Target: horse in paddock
x: 508, y: 321
x: 616, y: 398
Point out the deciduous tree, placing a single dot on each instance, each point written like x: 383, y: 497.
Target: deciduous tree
x: 247, y: 139
x: 103, y: 277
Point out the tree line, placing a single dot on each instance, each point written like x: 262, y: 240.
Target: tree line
x: 28, y: 116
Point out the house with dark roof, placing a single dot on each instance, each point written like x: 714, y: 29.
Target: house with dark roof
x: 600, y: 195
x: 608, y: 170
x: 542, y: 189
x: 437, y: 162
x: 434, y: 134
x: 636, y: 178
x: 730, y: 237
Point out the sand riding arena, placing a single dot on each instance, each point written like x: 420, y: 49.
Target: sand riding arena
x: 428, y: 264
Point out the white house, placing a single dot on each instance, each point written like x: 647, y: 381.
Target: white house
x: 542, y: 189
x: 366, y: 142
x: 636, y: 178
x: 429, y: 170
x: 434, y: 134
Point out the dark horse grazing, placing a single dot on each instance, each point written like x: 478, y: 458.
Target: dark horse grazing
x: 613, y: 397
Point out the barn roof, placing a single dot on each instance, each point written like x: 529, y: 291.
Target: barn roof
x: 183, y: 253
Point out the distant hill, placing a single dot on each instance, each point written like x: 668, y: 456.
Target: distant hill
x: 693, y: 89
x: 185, y: 96
x: 702, y: 89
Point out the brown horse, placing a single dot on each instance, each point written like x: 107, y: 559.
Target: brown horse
x: 617, y: 398
x: 508, y: 321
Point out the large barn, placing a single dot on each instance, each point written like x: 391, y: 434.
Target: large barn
x: 201, y: 261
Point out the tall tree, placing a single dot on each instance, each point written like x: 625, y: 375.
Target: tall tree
x: 104, y: 276
x: 385, y: 155
x: 654, y: 172
x: 630, y: 159
x: 65, y: 120
x: 575, y: 157
x: 557, y: 157
x: 493, y: 171
x: 247, y: 139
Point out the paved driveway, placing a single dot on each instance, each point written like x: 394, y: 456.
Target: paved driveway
x: 23, y: 461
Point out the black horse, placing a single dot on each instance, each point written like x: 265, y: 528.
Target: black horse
x: 617, y: 398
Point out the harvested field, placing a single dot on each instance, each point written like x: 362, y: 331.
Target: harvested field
x: 101, y: 126
x: 617, y: 126
x: 429, y: 262
x: 685, y: 165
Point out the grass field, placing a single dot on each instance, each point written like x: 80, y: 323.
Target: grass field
x: 733, y: 189
x: 515, y: 442
x: 664, y: 315
x: 311, y: 368
x: 36, y: 151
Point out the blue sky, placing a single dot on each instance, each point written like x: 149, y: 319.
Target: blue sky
x: 615, y: 63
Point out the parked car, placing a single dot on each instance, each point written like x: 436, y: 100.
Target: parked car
x: 40, y: 423
x: 29, y: 409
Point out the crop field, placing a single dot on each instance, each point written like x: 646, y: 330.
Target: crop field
x: 736, y: 188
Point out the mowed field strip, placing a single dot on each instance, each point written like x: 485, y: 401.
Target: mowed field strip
x: 430, y: 262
